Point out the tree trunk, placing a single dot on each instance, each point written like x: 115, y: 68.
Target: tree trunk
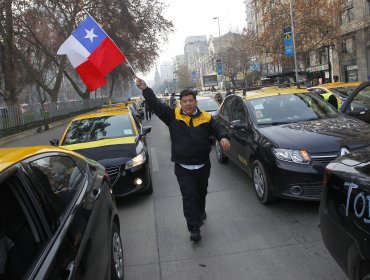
x: 10, y: 76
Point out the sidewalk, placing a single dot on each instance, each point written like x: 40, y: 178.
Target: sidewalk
x: 30, y: 132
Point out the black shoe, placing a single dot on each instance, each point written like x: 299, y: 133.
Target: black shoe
x: 195, y: 235
x: 203, y: 216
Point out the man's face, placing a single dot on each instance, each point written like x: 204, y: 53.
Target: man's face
x: 188, y: 104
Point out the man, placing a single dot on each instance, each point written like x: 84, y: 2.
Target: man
x: 148, y: 111
x: 190, y: 131
x: 228, y: 92
x: 173, y: 100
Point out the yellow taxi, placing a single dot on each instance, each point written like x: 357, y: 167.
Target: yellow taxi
x: 116, y: 139
x: 49, y: 197
x: 335, y: 93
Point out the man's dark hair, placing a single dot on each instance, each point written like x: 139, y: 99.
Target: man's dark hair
x: 187, y: 92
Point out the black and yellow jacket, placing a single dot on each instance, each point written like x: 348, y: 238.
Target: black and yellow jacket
x: 190, y: 135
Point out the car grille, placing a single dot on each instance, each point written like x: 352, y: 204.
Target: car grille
x: 312, y: 191
x: 113, y: 172
x: 324, y: 160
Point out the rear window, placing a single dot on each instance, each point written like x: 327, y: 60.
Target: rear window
x: 343, y: 91
x: 208, y: 105
x: 94, y: 129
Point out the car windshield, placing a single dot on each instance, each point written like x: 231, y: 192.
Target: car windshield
x: 343, y: 91
x: 290, y: 108
x: 208, y: 105
x: 94, y: 129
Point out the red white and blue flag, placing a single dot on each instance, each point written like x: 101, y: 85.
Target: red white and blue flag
x: 92, y: 53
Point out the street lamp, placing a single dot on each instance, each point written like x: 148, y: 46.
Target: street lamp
x: 219, y: 40
x: 293, y: 37
x: 218, y: 22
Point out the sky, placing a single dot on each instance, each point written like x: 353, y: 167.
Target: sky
x: 195, y: 17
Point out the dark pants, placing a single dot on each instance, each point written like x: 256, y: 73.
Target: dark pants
x: 193, y: 186
x: 148, y: 114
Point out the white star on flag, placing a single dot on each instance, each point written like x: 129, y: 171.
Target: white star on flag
x: 90, y: 34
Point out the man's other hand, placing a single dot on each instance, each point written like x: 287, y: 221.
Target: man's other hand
x: 141, y: 84
x: 225, y: 143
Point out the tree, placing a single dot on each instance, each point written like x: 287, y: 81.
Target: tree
x: 316, y: 25
x: 184, y: 79
x: 32, y: 31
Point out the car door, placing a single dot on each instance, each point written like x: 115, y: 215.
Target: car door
x: 358, y: 103
x: 240, y: 134
x: 225, y: 118
x: 79, y: 225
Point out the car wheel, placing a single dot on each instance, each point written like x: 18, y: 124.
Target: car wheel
x: 220, y: 154
x: 117, y: 255
x: 261, y: 183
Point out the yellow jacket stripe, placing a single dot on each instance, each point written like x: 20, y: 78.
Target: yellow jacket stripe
x: 204, y: 117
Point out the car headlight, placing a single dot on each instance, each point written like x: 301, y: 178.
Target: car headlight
x: 136, y: 161
x: 295, y: 156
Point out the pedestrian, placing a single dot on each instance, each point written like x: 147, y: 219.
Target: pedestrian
x: 190, y: 130
x: 173, y: 101
x: 228, y: 92
x: 218, y: 97
x: 148, y: 111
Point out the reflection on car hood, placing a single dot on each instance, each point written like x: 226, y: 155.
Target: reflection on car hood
x: 319, y: 136
x: 110, y: 155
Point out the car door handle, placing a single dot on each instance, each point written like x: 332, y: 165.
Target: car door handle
x: 70, y: 270
x: 96, y: 193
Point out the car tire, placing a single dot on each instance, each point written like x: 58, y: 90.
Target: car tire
x: 219, y: 153
x: 116, y: 255
x: 261, y: 183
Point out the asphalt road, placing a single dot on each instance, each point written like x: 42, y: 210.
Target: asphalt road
x: 241, y: 239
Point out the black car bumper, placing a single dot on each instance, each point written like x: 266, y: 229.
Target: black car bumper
x: 126, y: 182
x: 297, y: 181
x: 341, y: 245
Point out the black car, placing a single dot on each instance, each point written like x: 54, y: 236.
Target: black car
x: 58, y: 218
x: 345, y: 213
x: 357, y: 103
x: 117, y: 140
x: 284, y: 138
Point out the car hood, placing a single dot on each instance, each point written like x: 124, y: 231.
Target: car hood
x: 110, y: 155
x: 320, y: 136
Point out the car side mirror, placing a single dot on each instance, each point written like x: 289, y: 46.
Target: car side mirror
x: 356, y: 112
x: 54, y: 142
x: 238, y: 125
x: 145, y: 130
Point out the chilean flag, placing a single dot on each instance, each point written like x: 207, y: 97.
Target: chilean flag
x: 92, y: 53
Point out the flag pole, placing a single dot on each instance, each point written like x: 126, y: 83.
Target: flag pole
x: 129, y: 64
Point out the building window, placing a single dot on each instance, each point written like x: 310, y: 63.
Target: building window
x: 351, y: 14
x: 348, y: 45
x: 347, y: 15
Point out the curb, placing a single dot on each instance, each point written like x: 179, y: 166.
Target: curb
x: 33, y: 131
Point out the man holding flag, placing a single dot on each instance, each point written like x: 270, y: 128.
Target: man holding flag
x: 92, y: 53
x: 190, y: 131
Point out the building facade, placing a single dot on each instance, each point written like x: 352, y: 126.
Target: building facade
x: 347, y: 58
x: 354, y: 51
x: 195, y: 47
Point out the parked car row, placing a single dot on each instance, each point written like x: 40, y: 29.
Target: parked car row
x: 57, y: 204
x: 285, y: 139
x: 58, y: 218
